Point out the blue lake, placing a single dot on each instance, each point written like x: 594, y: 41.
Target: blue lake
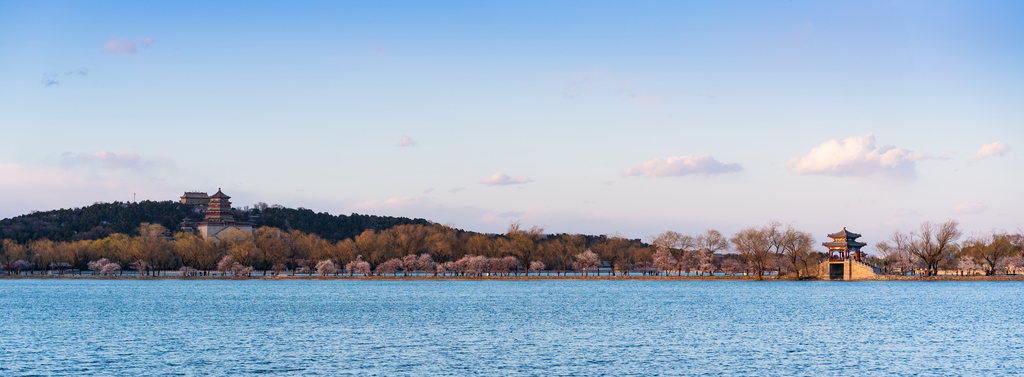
x: 368, y: 327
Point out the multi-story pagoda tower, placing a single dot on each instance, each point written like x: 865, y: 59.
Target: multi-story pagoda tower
x: 219, y: 217
x: 219, y: 209
x: 844, y: 246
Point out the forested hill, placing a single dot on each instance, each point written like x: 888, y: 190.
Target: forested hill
x: 101, y: 219
x: 325, y: 225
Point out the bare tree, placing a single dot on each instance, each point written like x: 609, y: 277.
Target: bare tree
x: 932, y: 243
x: 566, y: 246
x: 797, y: 249
x: 988, y: 250
x: 754, y: 245
x: 712, y: 241
x: 441, y: 243
x: 271, y: 247
x: 524, y: 242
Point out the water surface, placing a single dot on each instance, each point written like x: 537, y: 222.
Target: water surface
x: 368, y: 327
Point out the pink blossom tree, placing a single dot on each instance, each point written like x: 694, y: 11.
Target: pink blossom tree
x: 409, y: 264
x: 663, y: 261
x: 97, y: 266
x: 537, y: 266
x: 239, y: 270
x: 225, y: 264
x: 426, y: 264
x: 391, y: 266
x: 19, y: 265
x: 510, y: 264
x: 1011, y: 265
x: 358, y: 266
x: 732, y: 266
x: 110, y: 269
x: 586, y: 261
x: 326, y: 267
x: 472, y: 265
x: 447, y: 267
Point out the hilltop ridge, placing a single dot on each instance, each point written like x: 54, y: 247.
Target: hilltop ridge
x: 102, y: 219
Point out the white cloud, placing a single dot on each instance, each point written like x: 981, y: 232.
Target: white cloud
x: 682, y: 165
x: 969, y: 208
x: 127, y: 47
x: 406, y: 141
x: 994, y: 149
x: 857, y: 157
x: 501, y: 179
x: 505, y: 215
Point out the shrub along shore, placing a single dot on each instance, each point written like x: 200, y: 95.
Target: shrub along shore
x: 433, y: 251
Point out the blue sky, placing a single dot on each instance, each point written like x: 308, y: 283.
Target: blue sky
x: 594, y: 117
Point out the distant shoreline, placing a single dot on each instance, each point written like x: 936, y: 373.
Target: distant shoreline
x: 511, y: 278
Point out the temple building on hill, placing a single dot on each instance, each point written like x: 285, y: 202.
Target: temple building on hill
x: 195, y: 198
x: 219, y: 217
x: 845, y: 260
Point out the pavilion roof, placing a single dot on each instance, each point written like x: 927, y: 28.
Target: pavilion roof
x: 847, y: 243
x: 844, y: 234
x: 220, y: 194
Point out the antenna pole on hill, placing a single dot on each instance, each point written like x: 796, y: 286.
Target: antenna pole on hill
x: 133, y: 198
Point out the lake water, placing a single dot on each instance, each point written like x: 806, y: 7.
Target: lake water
x: 528, y: 328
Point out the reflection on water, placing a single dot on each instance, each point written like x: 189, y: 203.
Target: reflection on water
x: 338, y: 327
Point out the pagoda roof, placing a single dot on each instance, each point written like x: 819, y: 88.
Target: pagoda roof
x: 848, y: 243
x: 220, y: 194
x: 844, y: 234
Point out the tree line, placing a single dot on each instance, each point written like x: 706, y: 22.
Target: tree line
x: 773, y: 249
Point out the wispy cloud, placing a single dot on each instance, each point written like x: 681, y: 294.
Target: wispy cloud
x: 421, y: 207
x: 125, y: 46
x: 50, y: 186
x: 506, y: 215
x: 406, y: 141
x: 392, y: 203
x: 115, y: 161
x: 50, y: 79
x: 456, y: 189
x: 429, y: 190
x: 969, y: 208
x: 501, y: 179
x: 682, y: 165
x: 600, y: 81
x: 855, y: 157
x: 996, y: 149
x: 54, y: 79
